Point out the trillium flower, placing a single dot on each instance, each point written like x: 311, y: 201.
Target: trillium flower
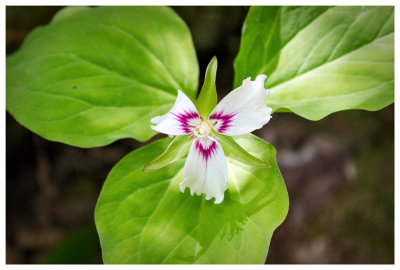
x: 242, y: 111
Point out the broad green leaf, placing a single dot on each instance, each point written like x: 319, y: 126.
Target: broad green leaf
x: 178, y: 148
x: 96, y: 75
x: 145, y: 218
x: 234, y: 151
x: 207, y: 99
x: 320, y: 59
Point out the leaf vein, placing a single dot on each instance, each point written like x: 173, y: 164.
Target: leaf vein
x: 324, y: 64
x: 154, y: 211
x: 266, y: 65
x: 151, y: 53
x: 180, y: 243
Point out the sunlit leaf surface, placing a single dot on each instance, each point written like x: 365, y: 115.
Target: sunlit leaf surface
x: 95, y: 75
x: 320, y: 59
x: 143, y: 217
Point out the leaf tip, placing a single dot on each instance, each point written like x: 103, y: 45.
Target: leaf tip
x: 213, y: 64
x: 145, y: 168
x: 263, y: 165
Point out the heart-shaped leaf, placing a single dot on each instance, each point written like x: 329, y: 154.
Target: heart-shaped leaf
x: 143, y: 217
x: 95, y: 75
x: 320, y: 59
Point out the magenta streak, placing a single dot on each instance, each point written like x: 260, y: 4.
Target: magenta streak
x: 225, y: 119
x: 184, y: 118
x: 206, y: 153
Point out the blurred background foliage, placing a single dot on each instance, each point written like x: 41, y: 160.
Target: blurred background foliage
x: 339, y: 171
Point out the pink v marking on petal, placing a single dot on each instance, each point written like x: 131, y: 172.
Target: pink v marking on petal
x: 206, y: 153
x: 225, y: 120
x: 184, y: 119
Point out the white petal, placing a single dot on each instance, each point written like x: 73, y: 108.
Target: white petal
x: 180, y: 120
x: 243, y: 109
x: 158, y: 119
x: 205, y: 170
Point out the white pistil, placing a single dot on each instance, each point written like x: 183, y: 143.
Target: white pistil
x: 213, y: 139
x: 203, y: 130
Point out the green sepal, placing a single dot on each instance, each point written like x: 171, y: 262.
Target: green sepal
x: 234, y: 151
x: 178, y: 148
x: 207, y: 99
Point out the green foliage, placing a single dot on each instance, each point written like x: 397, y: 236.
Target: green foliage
x: 207, y: 99
x: 234, y: 151
x: 95, y: 75
x: 80, y: 247
x: 320, y: 59
x: 178, y: 148
x: 145, y: 218
x: 68, y: 11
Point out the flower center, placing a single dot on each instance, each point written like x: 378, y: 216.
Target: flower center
x: 203, y: 130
